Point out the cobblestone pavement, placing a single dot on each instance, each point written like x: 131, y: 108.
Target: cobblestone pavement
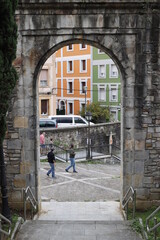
x: 93, y: 182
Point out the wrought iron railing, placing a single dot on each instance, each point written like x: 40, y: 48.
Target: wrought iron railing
x: 28, y: 196
x: 130, y: 196
x: 82, y: 153
x: 8, y: 222
x: 155, y: 224
x: 116, y: 152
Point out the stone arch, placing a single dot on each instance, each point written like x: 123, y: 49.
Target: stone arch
x: 121, y: 31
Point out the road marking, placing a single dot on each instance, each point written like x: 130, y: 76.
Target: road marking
x: 79, y: 180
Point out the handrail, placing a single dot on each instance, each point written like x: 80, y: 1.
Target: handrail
x: 9, y: 222
x: 127, y: 198
x: 156, y: 225
x: 28, y: 196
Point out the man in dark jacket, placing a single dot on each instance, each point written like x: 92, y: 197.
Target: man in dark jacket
x: 72, y: 159
x: 51, y: 160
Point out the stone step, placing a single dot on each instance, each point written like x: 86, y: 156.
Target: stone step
x: 77, y: 230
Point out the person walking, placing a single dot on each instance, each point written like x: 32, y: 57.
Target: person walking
x: 51, y: 160
x: 42, y: 143
x: 72, y: 159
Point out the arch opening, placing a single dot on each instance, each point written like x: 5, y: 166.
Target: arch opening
x: 98, y: 74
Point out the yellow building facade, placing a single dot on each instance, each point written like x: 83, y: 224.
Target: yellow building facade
x: 47, y: 85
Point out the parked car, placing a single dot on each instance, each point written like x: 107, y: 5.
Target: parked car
x: 47, y: 123
x: 69, y: 120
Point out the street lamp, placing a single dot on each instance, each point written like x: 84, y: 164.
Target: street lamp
x: 85, y: 91
x: 89, y: 118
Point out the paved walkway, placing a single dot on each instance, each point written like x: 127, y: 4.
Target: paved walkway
x: 81, y: 211
x: 94, y: 182
x: 82, y: 206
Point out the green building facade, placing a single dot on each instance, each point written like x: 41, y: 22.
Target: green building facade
x: 106, y: 85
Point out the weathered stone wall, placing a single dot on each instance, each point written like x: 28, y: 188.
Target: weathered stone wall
x: 128, y: 31
x: 99, y: 134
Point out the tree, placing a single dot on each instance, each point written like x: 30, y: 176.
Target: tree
x: 99, y: 113
x: 8, y: 78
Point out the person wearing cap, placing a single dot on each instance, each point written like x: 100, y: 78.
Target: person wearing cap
x: 51, y: 160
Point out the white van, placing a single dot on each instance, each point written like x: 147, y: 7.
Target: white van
x: 69, y: 120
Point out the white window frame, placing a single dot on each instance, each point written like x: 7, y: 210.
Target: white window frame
x: 99, y: 73
x: 81, y: 103
x: 70, y: 50
x: 116, y: 113
x: 110, y: 71
x: 70, y: 81
x: 83, y: 48
x: 100, y: 87
x: 68, y: 102
x: 100, y: 51
x: 68, y: 69
x: 81, y: 65
x: 44, y: 80
x: 82, y: 80
x: 113, y: 87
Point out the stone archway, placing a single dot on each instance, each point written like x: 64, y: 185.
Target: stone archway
x: 45, y: 27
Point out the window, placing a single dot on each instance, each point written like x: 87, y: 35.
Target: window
x: 83, y: 46
x: 101, y: 93
x: 83, y: 65
x: 70, y: 86
x: 83, y: 85
x: 113, y: 71
x: 82, y: 106
x: 113, y: 115
x: 44, y: 78
x: 113, y: 94
x: 70, y: 108
x: 101, y: 71
x: 100, y: 51
x: 79, y: 120
x: 70, y: 66
x: 70, y: 47
x: 44, y: 107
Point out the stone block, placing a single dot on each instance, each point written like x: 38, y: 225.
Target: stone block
x: 151, y: 129
x: 148, y: 180
x: 14, y: 135
x: 13, y: 169
x: 16, y: 195
x: 139, y: 145
x: 25, y: 167
x: 129, y: 144
x: 142, y: 193
x: 155, y: 196
x: 157, y: 129
x: 138, y: 180
x: 139, y: 167
x: 21, y: 122
x: 14, y: 144
x: 141, y: 155
x: 20, y: 181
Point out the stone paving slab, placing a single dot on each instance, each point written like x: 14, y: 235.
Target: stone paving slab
x: 52, y: 230
x: 94, y: 182
x: 83, y: 211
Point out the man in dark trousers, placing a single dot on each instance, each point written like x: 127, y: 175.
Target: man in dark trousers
x: 51, y: 160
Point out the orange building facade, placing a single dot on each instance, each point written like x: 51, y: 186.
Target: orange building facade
x: 73, y: 78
